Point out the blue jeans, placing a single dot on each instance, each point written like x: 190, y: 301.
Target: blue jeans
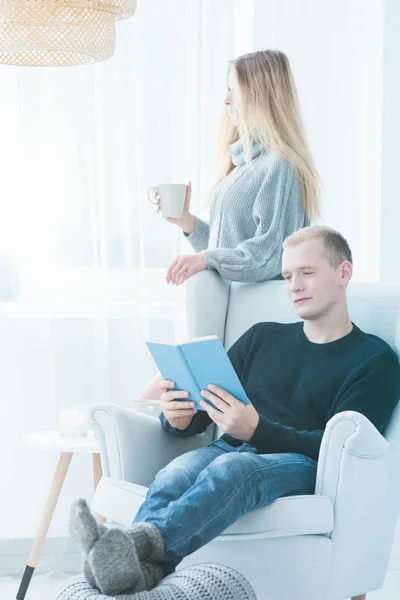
x: 201, y: 493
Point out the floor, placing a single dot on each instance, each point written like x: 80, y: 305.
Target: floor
x: 44, y: 586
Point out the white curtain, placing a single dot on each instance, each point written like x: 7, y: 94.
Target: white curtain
x: 83, y: 253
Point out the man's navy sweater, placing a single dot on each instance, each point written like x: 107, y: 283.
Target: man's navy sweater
x: 296, y: 385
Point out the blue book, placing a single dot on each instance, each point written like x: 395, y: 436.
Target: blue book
x: 194, y: 364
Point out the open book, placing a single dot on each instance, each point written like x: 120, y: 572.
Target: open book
x: 194, y: 364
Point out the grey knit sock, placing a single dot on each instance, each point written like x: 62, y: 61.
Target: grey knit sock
x: 83, y: 527
x: 148, y: 542
x: 115, y: 564
x: 86, y: 531
x: 117, y: 559
x: 147, y: 550
x: 152, y: 574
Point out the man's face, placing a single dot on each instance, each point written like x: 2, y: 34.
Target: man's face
x: 312, y: 283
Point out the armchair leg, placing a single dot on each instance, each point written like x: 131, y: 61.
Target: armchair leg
x: 362, y: 597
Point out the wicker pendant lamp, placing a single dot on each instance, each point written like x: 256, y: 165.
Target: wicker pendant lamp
x: 58, y: 33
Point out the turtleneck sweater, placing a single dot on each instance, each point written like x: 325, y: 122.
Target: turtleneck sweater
x: 253, y: 209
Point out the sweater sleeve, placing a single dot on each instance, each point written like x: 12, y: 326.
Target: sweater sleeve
x: 199, y: 424
x: 277, y: 213
x: 372, y: 390
x: 199, y: 237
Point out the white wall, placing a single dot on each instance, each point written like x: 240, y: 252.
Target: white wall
x: 335, y: 50
x: 390, y: 240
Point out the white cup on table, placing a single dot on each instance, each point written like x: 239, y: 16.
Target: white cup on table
x: 73, y: 422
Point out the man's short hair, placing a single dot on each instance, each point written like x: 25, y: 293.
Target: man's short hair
x: 336, y: 246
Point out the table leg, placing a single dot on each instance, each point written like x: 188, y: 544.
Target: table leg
x: 97, y: 475
x: 55, y: 490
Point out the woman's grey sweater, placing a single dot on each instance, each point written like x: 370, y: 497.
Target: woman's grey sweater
x: 253, y: 210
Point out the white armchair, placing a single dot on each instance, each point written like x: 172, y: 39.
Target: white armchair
x: 328, y: 546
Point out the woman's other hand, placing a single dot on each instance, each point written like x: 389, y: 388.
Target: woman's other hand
x: 184, y: 267
x: 186, y: 221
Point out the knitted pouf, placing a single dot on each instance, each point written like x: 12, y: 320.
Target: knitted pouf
x: 199, y: 582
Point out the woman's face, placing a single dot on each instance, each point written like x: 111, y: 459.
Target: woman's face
x: 232, y: 99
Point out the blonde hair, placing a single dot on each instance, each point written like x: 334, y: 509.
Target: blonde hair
x: 336, y: 246
x: 269, y: 115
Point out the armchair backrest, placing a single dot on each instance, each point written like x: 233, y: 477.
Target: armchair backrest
x: 375, y: 308
x: 216, y: 307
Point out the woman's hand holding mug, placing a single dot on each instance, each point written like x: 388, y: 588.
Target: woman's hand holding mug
x: 172, y: 200
x: 186, y: 220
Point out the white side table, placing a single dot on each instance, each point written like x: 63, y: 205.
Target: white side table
x: 66, y: 446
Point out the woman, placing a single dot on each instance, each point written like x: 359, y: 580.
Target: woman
x: 268, y: 186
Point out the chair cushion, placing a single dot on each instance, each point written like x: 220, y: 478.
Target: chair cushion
x: 289, y: 516
x: 119, y: 501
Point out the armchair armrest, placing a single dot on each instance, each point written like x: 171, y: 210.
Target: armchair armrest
x: 208, y: 316
x: 348, y: 433
x: 355, y: 470
x: 134, y: 446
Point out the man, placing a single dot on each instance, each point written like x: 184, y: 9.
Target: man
x: 297, y: 377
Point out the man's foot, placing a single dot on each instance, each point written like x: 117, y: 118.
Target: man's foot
x: 86, y: 531
x: 83, y: 527
x: 148, y: 541
x: 115, y: 565
x: 117, y: 559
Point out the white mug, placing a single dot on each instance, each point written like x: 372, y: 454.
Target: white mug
x: 172, y: 198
